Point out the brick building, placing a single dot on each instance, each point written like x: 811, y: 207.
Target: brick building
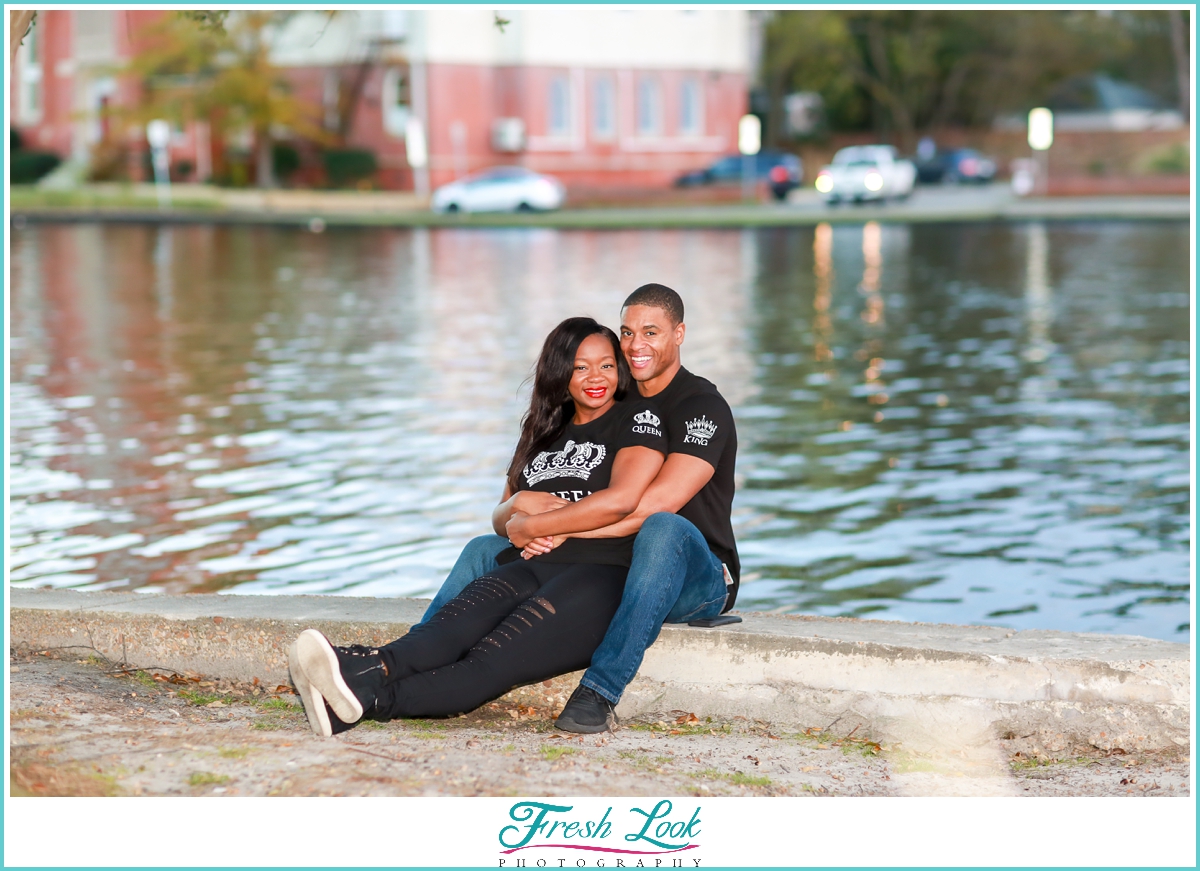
x: 597, y: 96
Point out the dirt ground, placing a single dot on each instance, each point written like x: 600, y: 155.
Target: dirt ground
x: 88, y: 727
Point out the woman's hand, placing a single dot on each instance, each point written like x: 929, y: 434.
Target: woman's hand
x: 539, y: 546
x: 515, y: 529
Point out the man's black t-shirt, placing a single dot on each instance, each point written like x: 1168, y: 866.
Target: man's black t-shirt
x: 580, y: 462
x: 699, y: 423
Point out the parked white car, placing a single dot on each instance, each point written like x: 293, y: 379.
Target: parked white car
x: 866, y: 172
x: 500, y: 189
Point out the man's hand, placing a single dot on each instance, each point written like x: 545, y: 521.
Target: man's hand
x: 539, y: 546
x: 681, y: 477
x: 535, y: 502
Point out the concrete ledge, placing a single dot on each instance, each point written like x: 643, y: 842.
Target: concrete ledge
x: 928, y: 686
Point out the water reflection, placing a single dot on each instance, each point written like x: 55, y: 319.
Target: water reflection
x: 946, y: 423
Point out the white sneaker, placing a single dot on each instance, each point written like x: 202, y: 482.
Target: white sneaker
x: 310, y: 696
x: 319, y: 662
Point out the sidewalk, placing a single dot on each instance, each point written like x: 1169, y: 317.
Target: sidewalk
x: 320, y: 209
x: 775, y: 705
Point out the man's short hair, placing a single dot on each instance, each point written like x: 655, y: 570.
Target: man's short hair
x: 659, y: 296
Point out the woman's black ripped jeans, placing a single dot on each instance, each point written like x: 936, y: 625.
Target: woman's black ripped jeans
x: 522, y: 623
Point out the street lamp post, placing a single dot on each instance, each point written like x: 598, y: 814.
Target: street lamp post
x: 158, y: 134
x: 1041, y: 137
x: 749, y: 142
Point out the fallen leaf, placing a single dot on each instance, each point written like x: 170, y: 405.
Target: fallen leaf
x: 753, y: 759
x: 687, y: 718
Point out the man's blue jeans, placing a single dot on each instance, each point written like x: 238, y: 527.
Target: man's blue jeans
x: 674, y: 578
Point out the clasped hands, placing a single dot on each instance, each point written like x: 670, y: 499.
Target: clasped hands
x: 527, y: 504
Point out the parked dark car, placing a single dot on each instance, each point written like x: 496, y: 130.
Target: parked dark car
x: 781, y: 171
x: 957, y: 166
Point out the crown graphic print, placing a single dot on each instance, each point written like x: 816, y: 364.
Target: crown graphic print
x: 573, y: 461
x: 700, y: 430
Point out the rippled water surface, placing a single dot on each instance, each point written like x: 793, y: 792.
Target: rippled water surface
x: 957, y: 423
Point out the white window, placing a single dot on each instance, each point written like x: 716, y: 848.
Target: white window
x: 559, y: 116
x: 30, y: 57
x: 691, y: 108
x: 604, y: 108
x: 649, y: 106
x: 396, y: 101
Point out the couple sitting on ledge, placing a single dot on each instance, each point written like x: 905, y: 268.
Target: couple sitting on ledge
x: 615, y: 519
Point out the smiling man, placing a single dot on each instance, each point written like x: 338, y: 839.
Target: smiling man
x: 685, y: 563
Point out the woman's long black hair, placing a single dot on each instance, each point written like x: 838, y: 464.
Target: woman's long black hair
x: 551, y: 407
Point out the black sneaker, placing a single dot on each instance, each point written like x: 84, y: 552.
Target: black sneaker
x: 345, y: 677
x: 587, y: 711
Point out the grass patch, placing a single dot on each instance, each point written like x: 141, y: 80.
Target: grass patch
x: 429, y: 725
x: 206, y: 778
x: 644, y: 761
x: 849, y: 745
x: 35, y: 778
x: 375, y: 724
x: 1021, y: 762
x: 30, y: 197
x: 233, y: 752
x: 736, y: 777
x: 509, y: 748
x: 552, y: 754
x: 662, y: 727
x: 276, y: 704
x: 268, y: 727
x: 145, y: 679
x: 201, y: 699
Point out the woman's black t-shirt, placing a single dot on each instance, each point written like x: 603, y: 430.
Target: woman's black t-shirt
x: 580, y: 463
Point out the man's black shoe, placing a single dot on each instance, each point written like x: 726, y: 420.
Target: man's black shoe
x: 348, y: 678
x: 587, y: 711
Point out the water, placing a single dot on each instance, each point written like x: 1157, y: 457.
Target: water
x: 953, y: 423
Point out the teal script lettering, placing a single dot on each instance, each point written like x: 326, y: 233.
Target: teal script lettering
x: 658, y: 825
x: 534, y: 814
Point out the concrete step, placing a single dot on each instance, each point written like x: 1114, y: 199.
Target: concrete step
x: 933, y: 688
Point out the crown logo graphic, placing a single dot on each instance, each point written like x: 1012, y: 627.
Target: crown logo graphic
x: 573, y: 461
x: 646, y: 418
x: 701, y: 429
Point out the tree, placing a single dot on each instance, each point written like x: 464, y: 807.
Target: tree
x: 901, y: 72
x: 219, y: 70
x: 19, y: 22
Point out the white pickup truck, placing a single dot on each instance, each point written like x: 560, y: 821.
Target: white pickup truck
x: 866, y: 172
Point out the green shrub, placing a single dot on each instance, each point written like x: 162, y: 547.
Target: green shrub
x: 1171, y: 159
x: 285, y: 158
x: 26, y: 167
x: 345, y: 166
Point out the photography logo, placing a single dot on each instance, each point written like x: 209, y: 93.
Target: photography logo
x: 623, y: 838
